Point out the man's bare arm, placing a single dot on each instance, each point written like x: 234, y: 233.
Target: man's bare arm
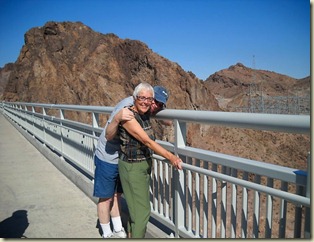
x: 123, y: 115
x: 166, y: 122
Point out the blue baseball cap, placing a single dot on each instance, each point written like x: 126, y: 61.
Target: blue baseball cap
x: 161, y: 94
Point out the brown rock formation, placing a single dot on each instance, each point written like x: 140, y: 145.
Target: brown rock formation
x: 69, y: 63
x: 232, y: 85
x: 5, y: 73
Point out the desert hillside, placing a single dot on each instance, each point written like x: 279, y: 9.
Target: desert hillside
x: 69, y: 63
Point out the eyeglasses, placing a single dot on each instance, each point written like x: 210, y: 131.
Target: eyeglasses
x: 142, y: 98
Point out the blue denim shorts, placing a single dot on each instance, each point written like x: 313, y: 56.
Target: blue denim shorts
x: 106, y: 179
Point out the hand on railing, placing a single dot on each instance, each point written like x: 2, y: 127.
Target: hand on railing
x: 176, y: 162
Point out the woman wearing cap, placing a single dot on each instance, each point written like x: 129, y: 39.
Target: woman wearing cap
x: 135, y: 159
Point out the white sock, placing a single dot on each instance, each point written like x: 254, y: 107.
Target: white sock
x: 117, y: 223
x: 106, y: 229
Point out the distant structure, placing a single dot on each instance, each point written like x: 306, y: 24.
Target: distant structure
x: 259, y: 103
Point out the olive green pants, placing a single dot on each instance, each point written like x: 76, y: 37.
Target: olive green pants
x: 135, y: 180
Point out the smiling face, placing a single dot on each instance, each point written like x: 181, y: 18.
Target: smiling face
x: 156, y: 107
x: 143, y: 101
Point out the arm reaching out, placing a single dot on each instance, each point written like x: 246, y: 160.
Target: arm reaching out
x: 134, y: 128
x: 123, y: 115
x: 166, y: 122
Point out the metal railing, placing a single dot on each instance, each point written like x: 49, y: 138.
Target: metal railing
x: 215, y: 195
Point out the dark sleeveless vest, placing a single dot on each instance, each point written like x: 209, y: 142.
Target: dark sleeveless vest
x: 131, y: 149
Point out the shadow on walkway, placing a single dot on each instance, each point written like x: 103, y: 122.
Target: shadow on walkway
x: 14, y: 226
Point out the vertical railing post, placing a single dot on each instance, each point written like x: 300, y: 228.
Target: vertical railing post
x: 44, y: 126
x: 22, y: 114
x: 33, y: 122
x: 95, y: 123
x: 61, y: 112
x: 179, y: 203
x: 307, y: 229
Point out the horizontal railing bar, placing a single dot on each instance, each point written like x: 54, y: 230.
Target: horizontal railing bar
x: 64, y: 121
x: 244, y: 183
x: 250, y: 185
x: 74, y: 123
x: 85, y: 108
x: 75, y: 130
x: 257, y: 167
x: 253, y: 166
x: 273, y: 122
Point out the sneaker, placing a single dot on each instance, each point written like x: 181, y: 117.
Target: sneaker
x: 120, y: 234
x: 108, y: 236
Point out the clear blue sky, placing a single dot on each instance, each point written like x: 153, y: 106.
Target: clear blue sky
x: 202, y: 36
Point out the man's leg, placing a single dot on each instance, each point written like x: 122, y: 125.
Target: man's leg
x: 115, y: 213
x: 103, y: 211
x: 106, y: 208
x: 105, y: 183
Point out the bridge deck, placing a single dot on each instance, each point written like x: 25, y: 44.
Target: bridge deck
x: 36, y: 199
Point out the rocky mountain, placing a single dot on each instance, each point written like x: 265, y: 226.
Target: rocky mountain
x: 232, y: 86
x: 69, y: 63
x: 4, y: 77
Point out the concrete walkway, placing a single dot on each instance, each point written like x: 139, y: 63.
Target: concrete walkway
x: 39, y: 201
x: 36, y: 199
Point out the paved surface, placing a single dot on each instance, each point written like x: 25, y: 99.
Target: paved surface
x: 36, y: 199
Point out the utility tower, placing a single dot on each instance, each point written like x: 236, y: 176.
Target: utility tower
x: 252, y: 89
x: 258, y: 103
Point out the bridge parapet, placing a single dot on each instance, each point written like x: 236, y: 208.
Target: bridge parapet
x: 216, y: 195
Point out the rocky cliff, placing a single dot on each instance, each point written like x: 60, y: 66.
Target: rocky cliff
x: 69, y: 63
x: 5, y: 73
x: 232, y: 86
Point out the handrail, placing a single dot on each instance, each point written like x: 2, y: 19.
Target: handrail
x: 278, y: 122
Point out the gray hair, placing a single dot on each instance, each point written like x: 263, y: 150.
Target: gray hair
x: 143, y: 86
